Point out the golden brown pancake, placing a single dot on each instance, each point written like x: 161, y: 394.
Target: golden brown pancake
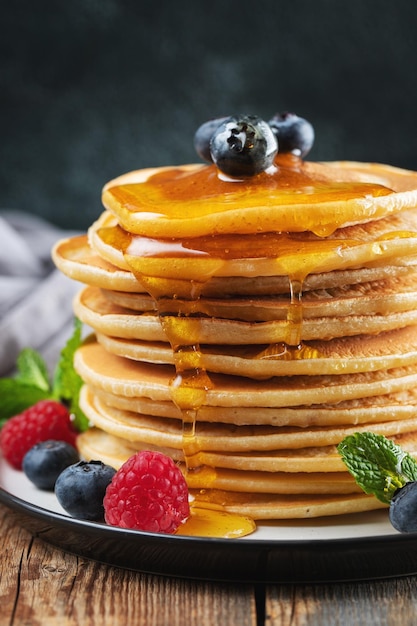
x: 362, y: 353
x: 327, y: 197
x: 95, y: 310
x: 152, y: 430
x: 370, y: 298
x: 278, y: 313
x: 75, y: 258
x: 390, y: 240
x: 95, y: 443
x: 121, y: 376
x: 388, y: 407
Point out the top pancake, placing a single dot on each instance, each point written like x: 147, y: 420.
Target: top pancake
x: 297, y: 196
x: 76, y: 259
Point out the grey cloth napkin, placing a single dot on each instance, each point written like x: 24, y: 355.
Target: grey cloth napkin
x: 35, y: 297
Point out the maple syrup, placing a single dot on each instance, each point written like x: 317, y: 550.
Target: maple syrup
x: 215, y: 522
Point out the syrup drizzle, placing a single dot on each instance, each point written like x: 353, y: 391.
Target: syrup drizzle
x: 189, y: 387
x: 179, y: 303
x: 295, y: 313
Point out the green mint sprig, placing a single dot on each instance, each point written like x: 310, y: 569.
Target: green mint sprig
x: 32, y: 383
x: 378, y: 465
x: 32, y: 370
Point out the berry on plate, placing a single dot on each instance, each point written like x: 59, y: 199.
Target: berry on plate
x: 44, y: 420
x: 43, y: 463
x: 147, y: 493
x: 80, y: 489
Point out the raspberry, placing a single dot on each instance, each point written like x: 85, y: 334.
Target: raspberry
x: 45, y: 420
x: 147, y: 493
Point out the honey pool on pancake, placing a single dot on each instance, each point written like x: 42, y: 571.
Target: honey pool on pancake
x: 177, y: 296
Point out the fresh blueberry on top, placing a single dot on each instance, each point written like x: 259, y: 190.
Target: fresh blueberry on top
x: 80, y: 489
x: 44, y: 462
x: 294, y: 134
x: 403, y: 508
x: 203, y: 135
x: 243, y: 145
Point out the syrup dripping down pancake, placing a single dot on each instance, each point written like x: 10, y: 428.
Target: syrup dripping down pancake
x: 392, y: 239
x: 391, y: 295
x: 388, y: 407
x: 218, y: 437
x: 362, y: 353
x: 121, y: 376
x: 76, y: 259
x: 95, y: 310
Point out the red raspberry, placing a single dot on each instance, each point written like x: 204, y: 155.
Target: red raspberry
x: 147, y: 493
x: 45, y: 420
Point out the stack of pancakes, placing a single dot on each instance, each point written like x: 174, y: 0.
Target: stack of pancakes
x: 246, y: 327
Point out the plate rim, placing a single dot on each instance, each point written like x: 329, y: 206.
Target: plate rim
x: 293, y: 561
x: 7, y: 498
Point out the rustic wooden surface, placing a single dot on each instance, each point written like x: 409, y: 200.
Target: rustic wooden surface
x: 43, y: 586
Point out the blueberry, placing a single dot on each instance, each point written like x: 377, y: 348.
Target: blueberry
x: 403, y: 508
x: 203, y: 136
x: 294, y: 134
x: 43, y: 463
x: 243, y: 145
x: 81, y: 487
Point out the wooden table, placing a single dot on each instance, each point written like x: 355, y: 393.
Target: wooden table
x: 42, y: 585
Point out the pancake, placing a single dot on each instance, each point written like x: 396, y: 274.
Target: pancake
x: 137, y: 427
x: 95, y: 310
x: 245, y: 481
x: 362, y: 353
x: 76, y: 259
x: 121, y: 376
x: 372, y: 298
x: 323, y: 459
x: 326, y: 198
x: 245, y: 327
x: 94, y: 443
x: 388, y: 407
x: 374, y: 244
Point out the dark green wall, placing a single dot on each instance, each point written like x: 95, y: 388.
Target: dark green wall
x: 93, y: 88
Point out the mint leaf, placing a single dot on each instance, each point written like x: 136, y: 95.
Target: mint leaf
x: 64, y: 373
x: 378, y: 465
x: 31, y: 382
x: 67, y: 383
x: 32, y: 369
x: 16, y: 396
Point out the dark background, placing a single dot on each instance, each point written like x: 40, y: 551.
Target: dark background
x: 90, y: 89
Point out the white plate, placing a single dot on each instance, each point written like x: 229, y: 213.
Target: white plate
x: 350, y: 547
